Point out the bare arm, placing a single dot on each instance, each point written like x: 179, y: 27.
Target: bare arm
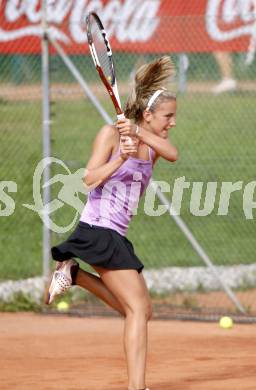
x: 162, y: 147
x: 99, y: 168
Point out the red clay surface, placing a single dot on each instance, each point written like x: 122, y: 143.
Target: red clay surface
x: 67, y: 353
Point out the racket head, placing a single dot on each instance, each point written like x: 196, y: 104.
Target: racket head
x: 100, y: 47
x: 102, y: 57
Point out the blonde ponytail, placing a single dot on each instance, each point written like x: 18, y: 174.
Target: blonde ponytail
x: 148, y: 79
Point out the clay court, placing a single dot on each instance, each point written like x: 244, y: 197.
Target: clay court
x: 69, y: 353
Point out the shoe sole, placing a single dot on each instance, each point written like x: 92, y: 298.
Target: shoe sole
x: 47, y: 295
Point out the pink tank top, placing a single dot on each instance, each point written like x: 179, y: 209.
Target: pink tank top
x: 113, y: 203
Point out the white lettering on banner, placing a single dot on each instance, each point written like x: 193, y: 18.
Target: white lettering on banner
x: 129, y: 20
x: 58, y: 10
x: 111, y: 16
x: 33, y: 15
x: 135, y: 26
x: 122, y: 30
x: 77, y: 19
x: 228, y: 11
x: 14, y: 10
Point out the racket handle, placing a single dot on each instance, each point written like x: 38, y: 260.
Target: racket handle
x: 120, y: 117
x: 129, y: 140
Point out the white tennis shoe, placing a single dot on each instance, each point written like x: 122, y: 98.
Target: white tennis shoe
x: 62, y: 279
x: 226, y: 85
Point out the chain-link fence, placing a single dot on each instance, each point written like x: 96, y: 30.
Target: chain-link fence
x: 216, y: 141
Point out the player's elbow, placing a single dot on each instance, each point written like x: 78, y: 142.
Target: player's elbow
x: 87, y: 179
x: 174, y: 155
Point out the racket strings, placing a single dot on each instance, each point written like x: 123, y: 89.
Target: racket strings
x: 102, y: 52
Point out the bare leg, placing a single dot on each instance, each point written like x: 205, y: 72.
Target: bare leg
x: 95, y: 285
x: 130, y: 289
x: 224, y: 61
x: 227, y: 83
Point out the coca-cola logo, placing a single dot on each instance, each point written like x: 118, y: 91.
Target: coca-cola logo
x: 230, y: 19
x: 129, y: 20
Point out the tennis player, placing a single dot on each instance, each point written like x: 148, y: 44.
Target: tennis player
x: 100, y: 237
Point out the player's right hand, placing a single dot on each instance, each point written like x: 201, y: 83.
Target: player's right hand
x: 128, y: 148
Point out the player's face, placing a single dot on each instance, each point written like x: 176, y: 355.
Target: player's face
x: 163, y: 118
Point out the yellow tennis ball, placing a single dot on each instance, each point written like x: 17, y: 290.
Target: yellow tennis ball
x: 226, y: 322
x: 62, y: 306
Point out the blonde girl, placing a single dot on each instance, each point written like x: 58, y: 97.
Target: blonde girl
x: 100, y: 237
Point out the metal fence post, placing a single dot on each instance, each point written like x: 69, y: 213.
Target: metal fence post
x: 46, y: 139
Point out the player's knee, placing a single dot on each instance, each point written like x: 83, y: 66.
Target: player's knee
x: 149, y: 312
x: 142, y: 309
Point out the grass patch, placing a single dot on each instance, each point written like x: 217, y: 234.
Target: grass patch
x: 20, y: 302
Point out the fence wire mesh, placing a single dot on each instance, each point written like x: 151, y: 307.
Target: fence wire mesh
x: 215, y: 135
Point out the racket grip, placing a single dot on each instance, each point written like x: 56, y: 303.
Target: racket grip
x: 120, y: 117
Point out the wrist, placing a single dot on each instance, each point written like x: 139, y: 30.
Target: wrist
x: 122, y: 158
x: 137, y: 131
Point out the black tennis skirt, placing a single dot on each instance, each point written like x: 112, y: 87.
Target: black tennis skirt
x: 98, y: 246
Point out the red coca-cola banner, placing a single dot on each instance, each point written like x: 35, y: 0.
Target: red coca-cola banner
x: 132, y: 25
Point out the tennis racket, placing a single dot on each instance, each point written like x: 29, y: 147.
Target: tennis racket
x: 103, y: 59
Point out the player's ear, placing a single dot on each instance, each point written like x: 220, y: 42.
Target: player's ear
x: 147, y: 115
